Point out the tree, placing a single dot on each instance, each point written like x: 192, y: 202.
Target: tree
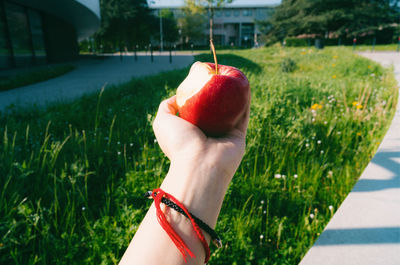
x: 210, y: 5
x: 125, y: 23
x: 192, y: 22
x: 170, y: 27
x: 342, y: 18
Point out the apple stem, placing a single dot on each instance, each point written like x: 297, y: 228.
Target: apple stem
x: 215, y: 56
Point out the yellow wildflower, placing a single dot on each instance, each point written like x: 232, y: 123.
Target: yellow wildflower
x: 335, y: 56
x: 357, y: 105
x: 334, y: 76
x: 333, y: 65
x: 369, y: 66
x: 304, y: 52
x: 316, y: 106
x: 359, y: 134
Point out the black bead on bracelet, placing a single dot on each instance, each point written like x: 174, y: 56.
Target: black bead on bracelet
x: 214, y: 236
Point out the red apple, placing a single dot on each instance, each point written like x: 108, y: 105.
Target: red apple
x: 213, y: 101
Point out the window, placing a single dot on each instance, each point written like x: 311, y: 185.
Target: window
x: 227, y: 13
x: 263, y: 13
x: 35, y: 21
x: 218, y: 14
x: 247, y: 12
x: 5, y: 52
x: 19, y: 33
x: 247, y: 34
x: 236, y: 13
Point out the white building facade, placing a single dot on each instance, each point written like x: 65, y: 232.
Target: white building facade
x: 234, y: 24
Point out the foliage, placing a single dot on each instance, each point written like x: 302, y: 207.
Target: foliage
x: 210, y: 5
x: 73, y: 175
x: 192, y: 22
x: 124, y: 23
x: 170, y: 27
x: 288, y: 65
x: 296, y: 42
x: 33, y: 76
x: 341, y: 18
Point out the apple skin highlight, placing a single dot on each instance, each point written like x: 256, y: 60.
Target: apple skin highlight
x: 217, y: 105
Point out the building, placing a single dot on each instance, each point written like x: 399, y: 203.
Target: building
x: 44, y: 31
x: 234, y: 24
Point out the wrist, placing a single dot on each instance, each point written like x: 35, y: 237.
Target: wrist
x: 201, y: 189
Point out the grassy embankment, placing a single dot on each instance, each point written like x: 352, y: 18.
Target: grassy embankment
x: 382, y: 47
x: 73, y: 176
x: 31, y: 76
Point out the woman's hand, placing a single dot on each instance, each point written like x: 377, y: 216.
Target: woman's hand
x: 187, y: 146
x: 200, y: 172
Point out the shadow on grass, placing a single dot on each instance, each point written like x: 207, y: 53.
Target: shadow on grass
x: 101, y: 171
x: 239, y: 62
x: 22, y: 77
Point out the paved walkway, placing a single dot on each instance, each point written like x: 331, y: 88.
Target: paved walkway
x: 89, y: 76
x: 365, y: 230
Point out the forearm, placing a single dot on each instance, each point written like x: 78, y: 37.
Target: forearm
x: 201, y: 189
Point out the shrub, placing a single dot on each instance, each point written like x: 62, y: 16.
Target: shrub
x: 296, y: 42
x: 288, y: 65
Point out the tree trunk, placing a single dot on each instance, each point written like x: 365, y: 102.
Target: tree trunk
x: 211, y: 11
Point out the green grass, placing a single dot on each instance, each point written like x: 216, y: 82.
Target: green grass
x: 382, y: 47
x: 73, y: 176
x: 33, y: 76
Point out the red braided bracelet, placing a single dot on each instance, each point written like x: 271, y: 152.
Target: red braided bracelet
x: 157, y: 195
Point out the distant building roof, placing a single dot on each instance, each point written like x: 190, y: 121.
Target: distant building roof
x: 156, y: 4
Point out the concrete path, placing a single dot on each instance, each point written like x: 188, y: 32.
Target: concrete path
x: 365, y: 230
x: 89, y: 76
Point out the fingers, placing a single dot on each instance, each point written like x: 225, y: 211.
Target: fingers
x: 168, y: 106
x: 166, y: 111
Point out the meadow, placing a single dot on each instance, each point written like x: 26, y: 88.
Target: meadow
x: 72, y: 176
x: 32, y: 76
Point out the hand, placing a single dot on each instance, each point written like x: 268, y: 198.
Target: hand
x: 187, y: 146
x: 200, y: 172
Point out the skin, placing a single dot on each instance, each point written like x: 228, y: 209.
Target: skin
x: 199, y: 175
